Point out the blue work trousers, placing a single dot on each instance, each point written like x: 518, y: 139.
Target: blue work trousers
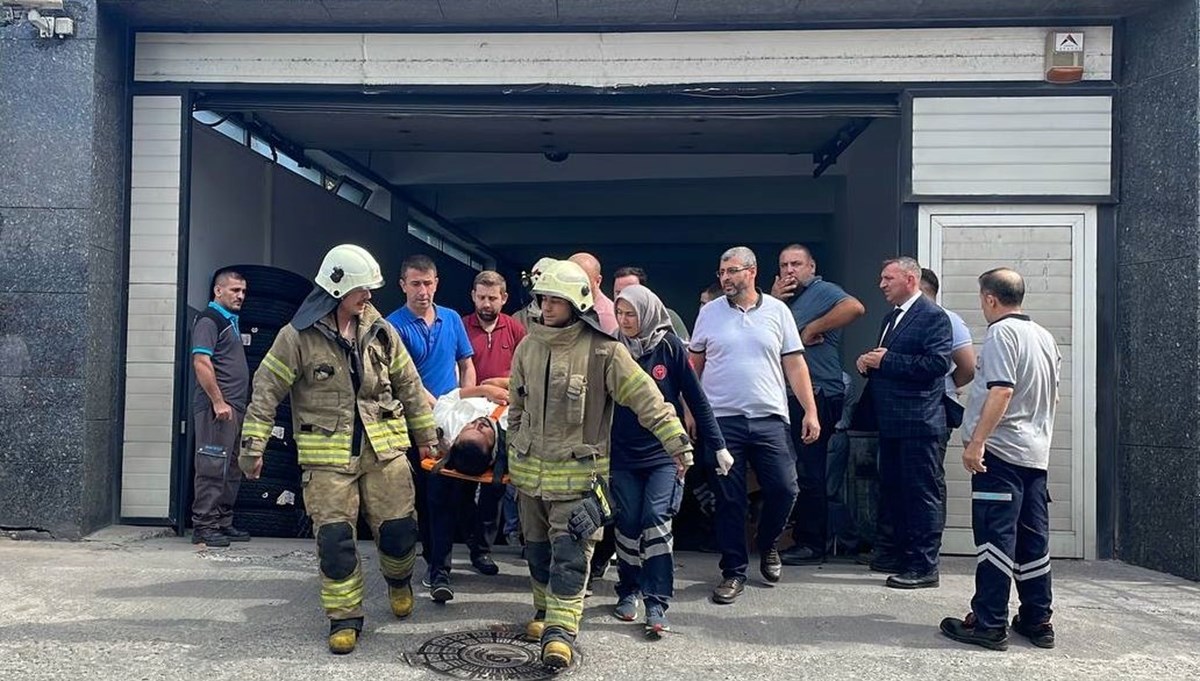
x: 646, y: 500
x: 1011, y: 522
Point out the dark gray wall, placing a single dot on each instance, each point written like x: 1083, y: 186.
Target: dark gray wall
x: 1158, y: 300
x: 62, y: 217
x: 247, y: 209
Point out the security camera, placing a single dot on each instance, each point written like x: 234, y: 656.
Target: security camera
x: 25, y: 5
x: 48, y: 25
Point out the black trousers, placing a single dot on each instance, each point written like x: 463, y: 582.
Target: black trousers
x: 764, y: 445
x: 453, y: 507
x: 810, y: 516
x: 912, y: 499
x: 420, y: 481
x: 1010, y: 516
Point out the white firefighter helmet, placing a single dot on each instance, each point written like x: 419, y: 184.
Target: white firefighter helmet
x: 346, y: 268
x: 564, y: 279
x: 539, y: 267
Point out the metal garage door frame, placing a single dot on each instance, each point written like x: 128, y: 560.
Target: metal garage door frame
x: 166, y: 68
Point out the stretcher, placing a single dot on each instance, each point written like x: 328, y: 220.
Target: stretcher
x: 487, y: 478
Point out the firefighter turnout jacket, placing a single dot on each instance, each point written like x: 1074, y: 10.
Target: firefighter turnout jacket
x: 561, y: 395
x: 338, y: 397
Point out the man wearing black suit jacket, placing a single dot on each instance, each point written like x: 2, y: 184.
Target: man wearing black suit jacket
x: 905, y: 381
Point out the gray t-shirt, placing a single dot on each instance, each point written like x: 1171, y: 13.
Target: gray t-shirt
x: 217, y: 335
x: 824, y: 359
x: 743, y: 356
x: 1022, y: 355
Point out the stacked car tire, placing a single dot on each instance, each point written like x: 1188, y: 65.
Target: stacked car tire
x: 272, y: 505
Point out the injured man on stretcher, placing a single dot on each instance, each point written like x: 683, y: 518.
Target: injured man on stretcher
x: 471, y: 424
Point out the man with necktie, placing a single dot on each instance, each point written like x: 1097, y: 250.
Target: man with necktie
x: 905, y: 385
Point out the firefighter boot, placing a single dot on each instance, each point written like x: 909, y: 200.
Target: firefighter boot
x: 401, y: 598
x: 343, y: 635
x: 557, y: 651
x: 536, y: 626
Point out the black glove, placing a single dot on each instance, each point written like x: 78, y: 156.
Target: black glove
x: 591, y: 513
x: 585, y: 519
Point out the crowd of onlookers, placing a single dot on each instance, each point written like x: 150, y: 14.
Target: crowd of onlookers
x: 758, y: 384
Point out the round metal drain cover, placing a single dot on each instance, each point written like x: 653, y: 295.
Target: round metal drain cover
x: 484, y: 655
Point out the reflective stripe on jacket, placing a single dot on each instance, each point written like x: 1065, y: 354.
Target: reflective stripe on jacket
x: 315, y: 369
x: 564, y: 385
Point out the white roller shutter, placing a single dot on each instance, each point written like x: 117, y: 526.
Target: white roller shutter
x: 1012, y: 146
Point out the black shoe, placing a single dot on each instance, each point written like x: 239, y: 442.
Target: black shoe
x: 595, y: 574
x: 801, y: 555
x: 770, y: 565
x: 886, y: 565
x: 965, y: 631
x: 484, y: 564
x: 440, y: 589
x: 235, y: 534
x: 210, y: 538
x: 1040, y: 635
x: 598, y: 570
x: 729, y: 590
x: 914, y: 580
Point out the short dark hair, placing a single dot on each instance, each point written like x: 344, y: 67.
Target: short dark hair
x: 631, y: 271
x: 714, y: 289
x: 468, y: 457
x: 799, y: 247
x: 1005, y: 284
x: 929, y: 278
x: 221, y: 276
x: 419, y: 262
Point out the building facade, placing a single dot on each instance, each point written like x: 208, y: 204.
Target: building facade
x: 965, y: 154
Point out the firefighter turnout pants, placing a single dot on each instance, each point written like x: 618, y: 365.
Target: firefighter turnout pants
x: 333, y: 497
x: 1011, y: 521
x: 558, y: 565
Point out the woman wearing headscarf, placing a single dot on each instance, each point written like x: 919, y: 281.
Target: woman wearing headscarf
x: 646, y: 483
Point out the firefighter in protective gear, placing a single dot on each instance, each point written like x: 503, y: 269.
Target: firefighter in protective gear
x: 567, y: 376
x: 357, y: 406
x: 531, y: 310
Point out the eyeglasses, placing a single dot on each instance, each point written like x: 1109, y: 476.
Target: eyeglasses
x: 732, y: 270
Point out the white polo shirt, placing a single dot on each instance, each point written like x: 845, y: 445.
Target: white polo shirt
x: 743, y: 354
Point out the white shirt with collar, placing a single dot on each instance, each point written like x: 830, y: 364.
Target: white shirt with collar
x: 904, y: 308
x: 452, y: 413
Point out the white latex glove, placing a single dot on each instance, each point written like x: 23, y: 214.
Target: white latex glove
x: 724, y: 461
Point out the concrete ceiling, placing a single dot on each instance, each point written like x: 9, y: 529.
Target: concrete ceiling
x: 579, y: 134
x: 374, y: 15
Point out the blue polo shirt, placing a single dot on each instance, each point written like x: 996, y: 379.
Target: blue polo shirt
x: 824, y: 359
x: 435, y: 349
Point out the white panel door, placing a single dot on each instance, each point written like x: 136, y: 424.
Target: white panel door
x: 1053, y: 247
